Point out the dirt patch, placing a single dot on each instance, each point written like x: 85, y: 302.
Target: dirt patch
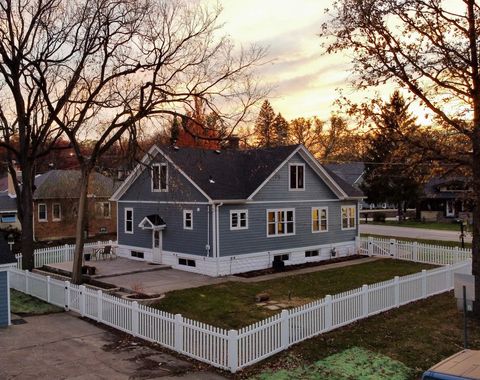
x: 262, y: 272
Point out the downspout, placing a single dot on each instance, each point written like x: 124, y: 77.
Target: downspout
x: 208, y: 248
x: 218, y: 237
x: 214, y: 231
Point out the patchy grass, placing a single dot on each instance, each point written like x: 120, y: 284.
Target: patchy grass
x: 446, y: 243
x: 353, y: 363
x: 22, y: 303
x: 232, y: 304
x: 446, y: 226
x: 419, y: 335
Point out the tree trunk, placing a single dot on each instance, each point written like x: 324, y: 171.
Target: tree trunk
x: 476, y: 222
x: 81, y: 224
x: 25, y: 206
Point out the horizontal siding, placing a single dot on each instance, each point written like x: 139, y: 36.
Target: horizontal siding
x: 255, y: 239
x: 3, y: 299
x: 174, y: 237
x: 179, y: 188
x: 277, y: 188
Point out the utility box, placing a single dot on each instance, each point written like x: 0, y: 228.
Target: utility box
x: 467, y: 280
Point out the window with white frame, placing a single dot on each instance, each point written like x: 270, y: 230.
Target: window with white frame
x: 159, y: 177
x: 281, y: 222
x: 297, y: 176
x: 187, y: 219
x: 319, y: 219
x: 103, y: 210
x: 56, y: 212
x: 349, y: 217
x: 129, y: 220
x: 42, y: 212
x: 238, y: 219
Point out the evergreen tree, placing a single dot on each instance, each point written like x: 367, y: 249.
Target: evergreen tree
x: 280, y: 128
x: 264, y: 126
x: 174, y: 131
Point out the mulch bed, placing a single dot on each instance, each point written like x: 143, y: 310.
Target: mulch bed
x: 262, y: 272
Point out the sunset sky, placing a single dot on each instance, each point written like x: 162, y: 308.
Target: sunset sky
x: 304, y: 80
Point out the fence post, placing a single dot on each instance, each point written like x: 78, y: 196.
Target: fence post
x: 424, y: 283
x: 65, y: 252
x: 48, y: 289
x: 233, y: 350
x: 67, y: 295
x: 285, y: 330
x: 82, y: 300
x: 358, y: 245
x: 370, y: 246
x: 365, y: 300
x: 99, y: 305
x: 448, y: 276
x: 328, y: 312
x: 27, y: 284
x: 393, y: 248
x: 135, y: 318
x: 415, y: 252
x: 396, y: 281
x: 179, y: 332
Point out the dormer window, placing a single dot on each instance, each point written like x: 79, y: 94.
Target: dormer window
x: 159, y: 177
x: 297, y: 177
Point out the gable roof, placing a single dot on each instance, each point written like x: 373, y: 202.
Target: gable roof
x: 56, y: 184
x: 350, y: 172
x: 229, y: 174
x: 350, y: 190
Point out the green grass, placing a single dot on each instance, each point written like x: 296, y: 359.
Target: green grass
x: 446, y: 243
x: 232, y: 304
x: 416, y: 224
x: 418, y: 335
x: 22, y: 303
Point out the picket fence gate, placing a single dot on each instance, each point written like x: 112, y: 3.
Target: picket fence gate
x: 236, y: 349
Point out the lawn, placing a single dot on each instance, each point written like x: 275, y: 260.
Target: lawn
x: 418, y: 335
x: 22, y: 303
x: 445, y: 243
x: 417, y: 224
x: 232, y: 304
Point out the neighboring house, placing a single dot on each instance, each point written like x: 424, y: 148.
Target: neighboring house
x: 223, y: 212
x: 8, y: 205
x: 55, y: 202
x: 7, y: 260
x: 445, y: 198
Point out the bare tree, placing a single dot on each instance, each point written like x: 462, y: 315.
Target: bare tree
x: 430, y: 48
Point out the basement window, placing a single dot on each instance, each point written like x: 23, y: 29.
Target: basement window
x: 187, y: 262
x: 137, y: 254
x: 311, y: 253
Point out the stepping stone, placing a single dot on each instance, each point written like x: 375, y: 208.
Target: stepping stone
x: 282, y: 305
x: 271, y: 302
x: 261, y: 304
x: 272, y: 307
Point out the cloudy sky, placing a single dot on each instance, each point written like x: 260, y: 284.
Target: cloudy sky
x: 304, y: 80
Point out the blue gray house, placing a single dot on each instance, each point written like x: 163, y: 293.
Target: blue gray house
x: 231, y: 211
x: 7, y: 260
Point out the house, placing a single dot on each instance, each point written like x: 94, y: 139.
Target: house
x: 8, y: 205
x: 7, y: 260
x: 445, y: 198
x: 223, y: 212
x: 55, y: 202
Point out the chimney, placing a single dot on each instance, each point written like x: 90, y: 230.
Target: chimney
x: 11, y: 187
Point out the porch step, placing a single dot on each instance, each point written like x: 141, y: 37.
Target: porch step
x: 153, y: 268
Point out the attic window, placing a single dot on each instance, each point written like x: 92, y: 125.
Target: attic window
x: 297, y: 176
x: 159, y: 177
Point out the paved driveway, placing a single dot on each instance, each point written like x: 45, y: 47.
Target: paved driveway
x: 62, y: 346
x: 414, y: 233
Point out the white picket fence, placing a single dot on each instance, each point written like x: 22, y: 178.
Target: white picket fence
x: 413, y: 251
x: 235, y: 349
x: 60, y: 253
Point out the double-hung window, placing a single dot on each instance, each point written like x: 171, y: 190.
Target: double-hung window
x: 42, y: 212
x: 102, y: 210
x: 56, y: 212
x: 281, y: 222
x: 238, y: 219
x: 297, y: 176
x: 129, y: 220
x: 319, y: 219
x: 187, y: 219
x: 159, y: 177
x: 349, y: 217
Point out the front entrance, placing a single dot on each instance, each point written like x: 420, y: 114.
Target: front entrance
x: 450, y: 208
x: 157, y: 247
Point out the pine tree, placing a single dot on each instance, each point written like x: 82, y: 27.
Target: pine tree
x: 174, y: 131
x: 280, y: 128
x: 264, y: 131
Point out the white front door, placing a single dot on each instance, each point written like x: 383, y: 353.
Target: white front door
x: 157, y: 247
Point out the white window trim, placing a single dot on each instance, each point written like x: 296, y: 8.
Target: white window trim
x: 319, y: 219
x: 290, y: 180
x: 46, y: 212
x: 341, y: 218
x: 160, y: 190
x: 109, y: 210
x: 238, y: 218
x: 53, y: 212
x: 276, y: 232
x: 185, y: 212
x: 125, y: 220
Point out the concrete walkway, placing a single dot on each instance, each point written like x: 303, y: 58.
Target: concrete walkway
x: 413, y: 233
x: 62, y: 346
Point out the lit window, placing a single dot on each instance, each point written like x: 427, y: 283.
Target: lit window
x: 42, y: 212
x: 102, y: 210
x: 129, y: 220
x: 187, y: 219
x: 238, y: 219
x: 349, y: 216
x: 319, y: 219
x: 297, y: 178
x: 280, y: 222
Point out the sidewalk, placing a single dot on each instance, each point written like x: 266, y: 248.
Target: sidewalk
x: 413, y: 233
